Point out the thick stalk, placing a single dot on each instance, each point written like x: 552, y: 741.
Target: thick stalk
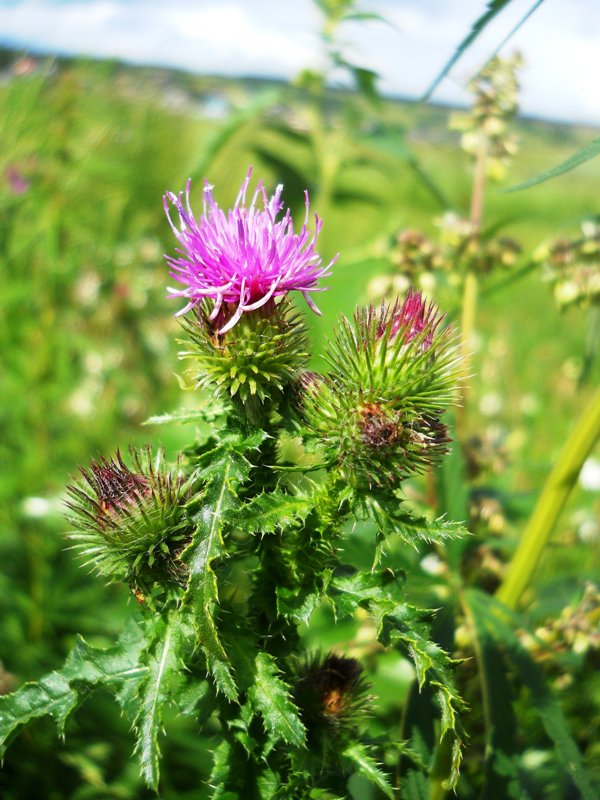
x: 557, y: 489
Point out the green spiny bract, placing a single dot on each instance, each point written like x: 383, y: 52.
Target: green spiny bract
x: 253, y: 362
x: 377, y: 414
x: 131, y: 524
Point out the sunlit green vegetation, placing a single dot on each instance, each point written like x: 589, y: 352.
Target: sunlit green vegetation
x: 88, y: 349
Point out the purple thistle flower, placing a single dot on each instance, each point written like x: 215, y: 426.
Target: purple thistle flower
x: 411, y: 319
x: 243, y: 258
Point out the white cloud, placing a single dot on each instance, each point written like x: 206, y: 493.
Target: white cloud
x: 260, y: 37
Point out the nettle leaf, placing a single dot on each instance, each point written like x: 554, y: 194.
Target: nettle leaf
x: 222, y: 470
x: 61, y: 692
x: 364, y: 763
x: 501, y: 623
x: 164, y: 665
x: 591, y: 150
x: 270, y: 511
x: 270, y: 696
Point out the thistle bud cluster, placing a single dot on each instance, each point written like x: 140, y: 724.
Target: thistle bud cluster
x: 572, y: 267
x: 227, y: 557
x: 485, y: 128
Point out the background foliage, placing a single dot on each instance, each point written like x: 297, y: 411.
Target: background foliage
x: 88, y: 343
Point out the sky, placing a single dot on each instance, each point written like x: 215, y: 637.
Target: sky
x: 560, y: 42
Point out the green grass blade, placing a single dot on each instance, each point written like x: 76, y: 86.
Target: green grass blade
x: 591, y: 150
x: 494, y: 7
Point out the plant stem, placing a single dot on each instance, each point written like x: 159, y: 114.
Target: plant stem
x: 551, y: 501
x: 470, y: 289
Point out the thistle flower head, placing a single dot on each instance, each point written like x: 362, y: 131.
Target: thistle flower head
x: 129, y: 522
x: 245, y: 257
x: 378, y: 414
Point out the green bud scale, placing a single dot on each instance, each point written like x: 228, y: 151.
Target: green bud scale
x: 253, y: 361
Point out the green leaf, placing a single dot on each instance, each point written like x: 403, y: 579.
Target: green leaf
x: 196, y: 699
x: 397, y: 622
x: 494, y: 7
x: 502, y: 623
x: 415, y: 786
x: 222, y: 771
x: 61, y: 692
x: 164, y: 663
x: 392, y: 519
x: 500, y: 774
x: 270, y: 511
x: 591, y: 150
x: 270, y: 696
x: 358, y: 755
x: 222, y: 470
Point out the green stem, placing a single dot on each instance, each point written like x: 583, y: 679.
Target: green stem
x: 557, y: 489
x: 467, y: 326
x: 470, y: 290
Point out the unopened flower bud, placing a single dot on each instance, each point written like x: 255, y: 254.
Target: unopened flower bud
x: 378, y: 415
x: 332, y: 696
x: 130, y: 523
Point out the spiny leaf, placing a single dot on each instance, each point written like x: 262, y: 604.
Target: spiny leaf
x: 502, y: 623
x: 222, y: 470
x: 270, y: 511
x: 61, y: 692
x: 164, y: 665
x: 365, y: 765
x: 270, y: 695
x: 591, y: 150
x: 397, y: 622
x: 223, y: 768
x: 196, y: 699
x: 494, y: 7
x: 393, y: 519
x: 299, y: 603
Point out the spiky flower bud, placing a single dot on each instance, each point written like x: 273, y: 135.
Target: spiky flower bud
x: 379, y: 413
x: 252, y: 362
x: 129, y: 523
x: 331, y: 693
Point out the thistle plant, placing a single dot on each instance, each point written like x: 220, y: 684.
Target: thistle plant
x: 232, y: 550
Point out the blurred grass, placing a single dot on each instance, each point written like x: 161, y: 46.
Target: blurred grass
x: 87, y: 334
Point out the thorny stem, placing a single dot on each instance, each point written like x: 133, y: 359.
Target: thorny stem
x: 551, y: 501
